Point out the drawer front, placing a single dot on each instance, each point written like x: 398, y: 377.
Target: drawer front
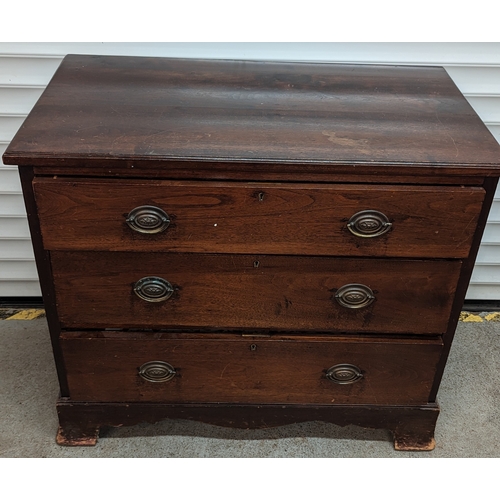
x: 283, y: 219
x: 250, y: 370
x: 104, y: 290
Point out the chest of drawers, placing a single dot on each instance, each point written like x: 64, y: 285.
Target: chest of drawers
x: 253, y: 244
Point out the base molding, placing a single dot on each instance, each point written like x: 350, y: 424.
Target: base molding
x: 412, y: 427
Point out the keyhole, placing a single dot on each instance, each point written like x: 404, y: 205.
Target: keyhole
x: 261, y: 196
x: 256, y: 263
x: 253, y: 347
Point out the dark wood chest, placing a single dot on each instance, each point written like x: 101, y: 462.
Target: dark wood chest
x: 253, y: 243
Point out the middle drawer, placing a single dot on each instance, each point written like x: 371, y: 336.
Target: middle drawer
x: 221, y: 292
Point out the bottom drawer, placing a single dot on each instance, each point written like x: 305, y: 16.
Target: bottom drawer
x: 114, y: 366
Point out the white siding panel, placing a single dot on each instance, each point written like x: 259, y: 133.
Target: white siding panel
x: 482, y: 292
x: 486, y: 274
x: 488, y: 254
x: 474, y: 80
x: 487, y: 107
x: 9, y: 125
x: 3, y: 147
x: 16, y: 250
x: 14, y: 228
x: 27, y: 70
x: 9, y: 180
x: 494, y: 128
x: 492, y: 233
x: 20, y: 289
x: 494, y: 211
x: 12, y: 270
x: 446, y: 54
x: 12, y: 204
x: 18, y: 100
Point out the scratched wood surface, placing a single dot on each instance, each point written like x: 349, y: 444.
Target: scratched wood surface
x: 95, y: 290
x: 256, y: 370
x: 100, y: 108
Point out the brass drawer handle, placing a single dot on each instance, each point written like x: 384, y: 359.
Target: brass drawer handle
x: 148, y: 219
x: 157, y: 371
x: 344, y: 374
x: 369, y: 224
x: 354, y: 296
x: 153, y: 289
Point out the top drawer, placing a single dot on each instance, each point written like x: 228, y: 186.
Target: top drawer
x: 272, y: 218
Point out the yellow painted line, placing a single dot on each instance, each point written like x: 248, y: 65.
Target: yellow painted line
x: 28, y: 314
x: 492, y: 317
x: 468, y: 317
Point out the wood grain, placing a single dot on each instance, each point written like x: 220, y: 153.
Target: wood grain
x: 265, y: 172
x: 95, y: 290
x: 412, y: 426
x: 262, y: 370
x: 42, y: 257
x: 490, y: 186
x: 258, y: 217
x: 101, y: 108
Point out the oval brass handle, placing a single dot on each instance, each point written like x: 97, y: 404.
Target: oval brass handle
x: 354, y: 296
x: 344, y: 374
x: 153, y: 289
x: 157, y: 371
x: 148, y: 219
x: 369, y: 224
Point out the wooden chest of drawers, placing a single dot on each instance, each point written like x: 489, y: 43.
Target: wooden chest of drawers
x: 253, y: 244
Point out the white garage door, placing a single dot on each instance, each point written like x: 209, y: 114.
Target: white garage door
x: 26, y: 68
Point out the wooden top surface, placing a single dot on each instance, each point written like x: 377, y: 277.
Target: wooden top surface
x: 141, y: 108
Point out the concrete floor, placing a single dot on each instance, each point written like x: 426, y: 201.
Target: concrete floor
x: 469, y: 424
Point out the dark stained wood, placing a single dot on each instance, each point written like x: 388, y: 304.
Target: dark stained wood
x: 490, y: 186
x: 73, y: 433
x: 42, y: 257
x: 415, y: 431
x: 95, y: 290
x: 232, y: 369
x: 138, y: 108
x: 299, y: 219
x: 230, y: 171
x: 412, y: 426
